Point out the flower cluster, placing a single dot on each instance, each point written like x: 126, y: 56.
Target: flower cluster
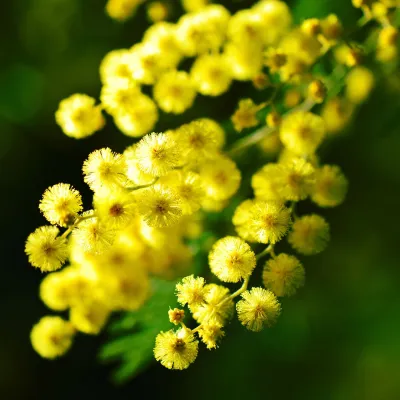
x: 148, y: 200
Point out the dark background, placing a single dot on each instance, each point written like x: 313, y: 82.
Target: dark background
x: 338, y: 339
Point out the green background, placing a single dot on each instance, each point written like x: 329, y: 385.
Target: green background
x: 337, y: 339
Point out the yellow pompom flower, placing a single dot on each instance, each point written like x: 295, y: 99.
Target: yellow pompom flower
x: 127, y: 292
x: 258, y: 308
x: 176, y: 316
x: 115, y: 209
x: 104, y: 169
x: 317, y: 91
x: 133, y: 172
x: 271, y: 144
x: 245, y: 27
x: 119, y: 97
x: 246, y: 115
x: 176, y: 350
x: 210, y: 74
x: 268, y: 221
x: 54, y: 291
x: 309, y: 234
x: 89, y: 318
x: 157, y: 154
x: 157, y: 11
x: 61, y: 204
x: 241, y: 218
x: 231, y: 259
x: 197, y: 141
x: 189, y: 188
x: 139, y: 119
x: 159, y: 206
x: 217, y: 308
x: 295, y: 180
x: 147, y: 63
x: 115, y: 68
x: 283, y: 275
x: 359, y: 84
x: 52, y: 337
x: 194, y: 5
x: 79, y: 117
x: 174, y: 92
x: 336, y: 113
x: 216, y: 129
x: 302, y: 132
x: 202, y: 31
x: 266, y: 182
x: 162, y: 35
x: 245, y: 61
x: 93, y: 236
x: 330, y: 186
x: 276, y: 19
x: 220, y: 178
x: 191, y: 291
x: 45, y: 249
x: 210, y: 335
x: 331, y: 28
x: 121, y: 10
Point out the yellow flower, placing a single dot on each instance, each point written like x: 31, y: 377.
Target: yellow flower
x: 139, y: 119
x: 317, y: 91
x: 55, y: 291
x: 245, y: 61
x: 283, y: 275
x: 276, y: 19
x: 89, y: 318
x: 45, y: 249
x: 191, y: 291
x: 122, y: 9
x: 194, y: 5
x: 159, y: 206
x: 176, y: 350
x: 359, y: 84
x: 176, y: 316
x: 174, y: 92
x: 115, y: 68
x: 202, y: 31
x: 309, y: 235
x: 231, y: 259
x: 241, y: 218
x: 119, y: 97
x: 246, y: 115
x: 295, y: 179
x: 217, y: 307
x: 197, y: 141
x: 162, y: 35
x: 78, y: 116
x: 258, y: 308
x: 52, y: 337
x: 115, y: 209
x: 216, y: 129
x: 302, y: 132
x: 61, y: 204
x: 266, y: 182
x: 188, y: 186
x: 210, y: 74
x: 210, y: 335
x: 157, y: 11
x: 330, y: 186
x: 268, y: 221
x: 220, y: 178
x: 104, y: 169
x: 157, y: 154
x: 336, y: 114
x: 133, y: 172
x: 246, y: 26
x: 93, y: 236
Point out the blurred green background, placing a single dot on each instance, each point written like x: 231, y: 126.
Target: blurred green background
x: 337, y: 339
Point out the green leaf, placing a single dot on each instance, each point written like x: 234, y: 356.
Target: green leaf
x: 133, y: 334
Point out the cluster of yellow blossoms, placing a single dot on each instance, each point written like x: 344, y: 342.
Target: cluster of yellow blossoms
x: 150, y: 199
